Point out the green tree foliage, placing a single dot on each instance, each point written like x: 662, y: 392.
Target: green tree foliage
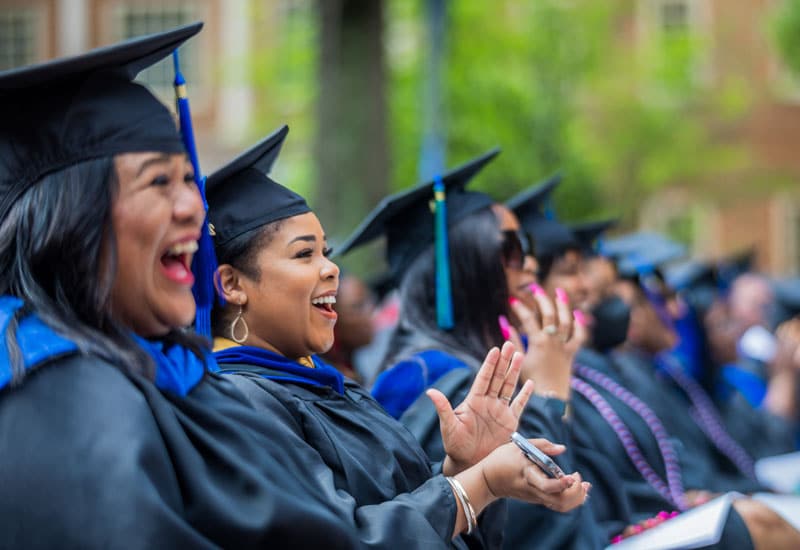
x: 785, y: 27
x: 573, y: 85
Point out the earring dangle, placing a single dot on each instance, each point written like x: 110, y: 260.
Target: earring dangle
x: 239, y: 319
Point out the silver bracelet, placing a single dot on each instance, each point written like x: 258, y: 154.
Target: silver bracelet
x: 469, y: 511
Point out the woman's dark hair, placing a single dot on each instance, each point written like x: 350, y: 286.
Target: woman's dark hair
x: 241, y: 252
x: 58, y: 254
x: 479, y: 289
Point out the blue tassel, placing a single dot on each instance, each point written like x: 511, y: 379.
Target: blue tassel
x: 204, y: 263
x: 444, y: 300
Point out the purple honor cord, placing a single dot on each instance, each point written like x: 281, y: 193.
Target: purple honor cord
x: 705, y: 414
x: 671, y: 490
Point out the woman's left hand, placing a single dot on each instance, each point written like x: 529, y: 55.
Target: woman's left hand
x: 489, y: 414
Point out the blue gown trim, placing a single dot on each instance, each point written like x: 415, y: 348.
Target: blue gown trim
x: 397, y: 388
x: 279, y: 368
x: 178, y: 370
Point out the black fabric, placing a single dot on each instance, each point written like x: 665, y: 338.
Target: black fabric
x: 586, y: 233
x: 381, y: 477
x: 66, y: 111
x: 93, y: 458
x: 551, y: 237
x: 407, y: 220
x: 241, y: 197
x: 599, y: 449
x: 527, y: 525
x: 611, y: 318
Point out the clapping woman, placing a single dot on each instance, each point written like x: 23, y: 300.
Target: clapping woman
x: 279, y: 288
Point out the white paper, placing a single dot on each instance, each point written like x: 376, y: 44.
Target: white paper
x: 700, y: 526
x: 787, y: 506
x: 780, y: 473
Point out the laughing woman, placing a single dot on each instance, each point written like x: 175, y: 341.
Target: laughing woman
x: 279, y: 287
x: 113, y: 434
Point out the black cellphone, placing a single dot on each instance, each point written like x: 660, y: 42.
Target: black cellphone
x: 536, y: 456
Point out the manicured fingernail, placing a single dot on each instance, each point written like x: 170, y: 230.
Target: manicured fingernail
x: 662, y: 515
x: 570, y: 481
x: 537, y: 290
x: 673, y: 514
x: 505, y: 328
x: 561, y: 296
x: 513, y: 301
x: 580, y: 317
x: 617, y: 539
x: 637, y: 529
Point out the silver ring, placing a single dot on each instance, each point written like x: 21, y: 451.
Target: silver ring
x: 506, y: 399
x: 550, y: 329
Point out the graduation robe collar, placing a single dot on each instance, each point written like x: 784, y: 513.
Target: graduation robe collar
x: 278, y: 368
x: 177, y: 369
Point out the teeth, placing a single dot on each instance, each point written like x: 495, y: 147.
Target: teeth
x: 189, y: 247
x: 324, y: 300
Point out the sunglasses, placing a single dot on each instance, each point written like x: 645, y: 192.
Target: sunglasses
x: 514, y: 247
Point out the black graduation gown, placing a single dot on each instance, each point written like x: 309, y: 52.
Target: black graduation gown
x: 599, y: 449
x: 527, y: 525
x: 94, y: 458
x: 381, y: 478
x: 708, y: 468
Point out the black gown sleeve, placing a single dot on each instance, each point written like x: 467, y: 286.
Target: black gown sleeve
x: 423, y: 518
x: 531, y: 526
x: 93, y: 458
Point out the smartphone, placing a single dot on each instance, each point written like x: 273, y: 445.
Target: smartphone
x: 537, y: 457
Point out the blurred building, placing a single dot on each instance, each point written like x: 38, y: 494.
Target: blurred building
x: 37, y: 30
x: 757, y: 206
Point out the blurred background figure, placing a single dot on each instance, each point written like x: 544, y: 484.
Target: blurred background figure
x: 354, y: 328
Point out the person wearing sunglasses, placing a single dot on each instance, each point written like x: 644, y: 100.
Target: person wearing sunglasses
x: 491, y: 272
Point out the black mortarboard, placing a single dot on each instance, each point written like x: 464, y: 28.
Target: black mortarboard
x: 587, y: 233
x: 787, y: 300
x: 407, y: 220
x: 241, y: 197
x: 731, y: 267
x: 691, y: 274
x: 643, y: 252
x: 66, y: 111
x: 550, y: 237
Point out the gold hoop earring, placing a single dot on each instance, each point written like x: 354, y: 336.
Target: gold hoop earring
x: 239, y: 319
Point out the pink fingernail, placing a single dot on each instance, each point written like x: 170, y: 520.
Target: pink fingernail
x: 663, y: 515
x: 637, y: 529
x: 513, y: 301
x: 617, y: 539
x: 537, y: 290
x: 561, y: 296
x: 505, y: 327
x: 580, y: 317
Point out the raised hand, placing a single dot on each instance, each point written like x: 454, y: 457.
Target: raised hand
x: 487, y: 416
x: 553, y: 341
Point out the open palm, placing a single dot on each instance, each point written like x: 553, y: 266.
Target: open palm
x: 487, y: 416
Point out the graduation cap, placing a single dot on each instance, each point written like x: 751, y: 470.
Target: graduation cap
x: 696, y: 281
x: 587, y: 233
x: 550, y: 236
x: 63, y: 112
x: 691, y: 274
x: 787, y: 300
x: 413, y: 219
x: 242, y: 197
x: 737, y: 264
x: 642, y: 253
